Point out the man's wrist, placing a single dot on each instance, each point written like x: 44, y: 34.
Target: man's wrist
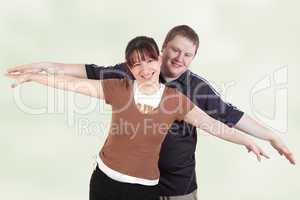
x: 273, y: 137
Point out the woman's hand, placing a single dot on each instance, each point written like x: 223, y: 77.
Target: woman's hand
x: 253, y: 147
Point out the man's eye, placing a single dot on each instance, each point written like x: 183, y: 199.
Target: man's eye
x: 150, y: 61
x: 175, y: 50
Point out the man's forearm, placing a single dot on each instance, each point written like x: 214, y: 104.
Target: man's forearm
x: 250, y: 126
x: 76, y: 70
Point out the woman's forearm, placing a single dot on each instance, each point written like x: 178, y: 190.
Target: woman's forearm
x: 84, y: 86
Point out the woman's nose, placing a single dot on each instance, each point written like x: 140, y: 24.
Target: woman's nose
x: 146, y: 71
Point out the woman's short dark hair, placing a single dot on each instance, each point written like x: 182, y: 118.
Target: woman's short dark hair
x: 144, y: 46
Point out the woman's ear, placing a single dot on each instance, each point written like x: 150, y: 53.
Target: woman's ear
x: 128, y: 67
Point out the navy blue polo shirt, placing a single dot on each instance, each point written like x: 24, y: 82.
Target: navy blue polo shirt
x: 177, y: 156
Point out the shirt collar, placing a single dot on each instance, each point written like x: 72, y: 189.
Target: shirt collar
x: 181, y: 79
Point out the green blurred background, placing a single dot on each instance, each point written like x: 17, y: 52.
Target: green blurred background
x: 249, y: 50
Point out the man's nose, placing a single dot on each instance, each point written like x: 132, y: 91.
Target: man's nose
x: 179, y: 57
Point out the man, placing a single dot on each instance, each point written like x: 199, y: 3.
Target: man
x: 177, y: 156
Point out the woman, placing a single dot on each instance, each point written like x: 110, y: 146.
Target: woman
x: 142, y: 112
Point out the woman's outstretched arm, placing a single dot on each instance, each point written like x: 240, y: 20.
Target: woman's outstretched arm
x: 201, y: 120
x: 87, y: 87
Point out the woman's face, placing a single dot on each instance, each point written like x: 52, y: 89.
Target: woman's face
x: 145, y: 70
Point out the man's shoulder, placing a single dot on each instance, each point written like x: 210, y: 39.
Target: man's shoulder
x: 196, y: 78
x: 118, y: 66
x: 195, y: 81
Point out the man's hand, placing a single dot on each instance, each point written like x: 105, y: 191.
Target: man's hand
x: 75, y: 70
x: 254, y: 128
x: 20, y: 78
x: 282, y: 149
x: 29, y: 68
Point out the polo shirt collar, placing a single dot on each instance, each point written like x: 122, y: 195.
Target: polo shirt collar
x: 182, y: 78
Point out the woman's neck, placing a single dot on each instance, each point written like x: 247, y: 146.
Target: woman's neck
x: 148, y: 88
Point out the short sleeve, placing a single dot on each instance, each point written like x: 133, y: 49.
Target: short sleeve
x: 119, y: 71
x: 221, y: 110
x: 113, y: 89
x: 185, y: 106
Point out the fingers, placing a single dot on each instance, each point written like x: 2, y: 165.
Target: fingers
x: 19, y: 68
x: 256, y: 151
x: 12, y: 75
x: 15, y: 76
x: 20, y: 78
x: 284, y: 151
x: 289, y: 156
x: 262, y: 153
x: 258, y: 157
x: 19, y: 82
x: 24, y: 71
x: 28, y: 68
x: 13, y: 70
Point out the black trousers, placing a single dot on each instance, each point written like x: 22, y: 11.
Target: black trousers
x: 103, y: 187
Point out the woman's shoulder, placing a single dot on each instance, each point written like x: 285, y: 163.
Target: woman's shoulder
x: 118, y: 82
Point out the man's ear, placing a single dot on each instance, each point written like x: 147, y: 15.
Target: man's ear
x: 159, y: 60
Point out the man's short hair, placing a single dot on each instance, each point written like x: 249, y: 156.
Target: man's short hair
x: 184, y: 31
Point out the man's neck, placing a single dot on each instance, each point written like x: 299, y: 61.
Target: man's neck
x: 168, y: 78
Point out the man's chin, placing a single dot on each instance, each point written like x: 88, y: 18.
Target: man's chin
x: 177, y: 66
x: 176, y: 71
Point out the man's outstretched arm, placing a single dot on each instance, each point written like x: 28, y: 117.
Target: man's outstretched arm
x: 250, y: 126
x: 210, y: 101
x: 76, y: 70
x: 89, y: 71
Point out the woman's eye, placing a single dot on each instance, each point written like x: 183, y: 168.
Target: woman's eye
x: 150, y: 61
x: 136, y: 65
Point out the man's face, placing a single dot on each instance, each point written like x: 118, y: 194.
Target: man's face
x: 177, y: 56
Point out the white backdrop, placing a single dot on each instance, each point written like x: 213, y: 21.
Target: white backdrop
x: 248, y: 49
